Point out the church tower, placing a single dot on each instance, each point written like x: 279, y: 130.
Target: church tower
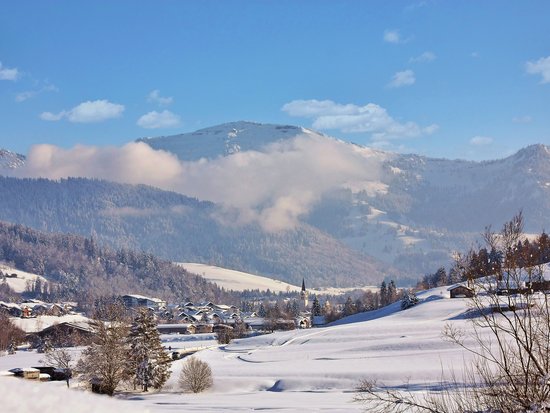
x: 304, y: 295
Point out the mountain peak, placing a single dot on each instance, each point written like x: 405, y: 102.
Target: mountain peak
x: 10, y: 160
x: 533, y: 155
x: 225, y: 139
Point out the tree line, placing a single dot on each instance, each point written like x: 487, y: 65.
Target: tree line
x: 81, y: 269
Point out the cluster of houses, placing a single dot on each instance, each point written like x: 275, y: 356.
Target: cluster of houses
x: 33, y: 308
x: 207, y: 317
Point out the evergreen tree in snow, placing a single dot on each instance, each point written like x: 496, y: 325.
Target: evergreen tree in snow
x: 316, y: 307
x: 409, y: 300
x: 262, y: 311
x: 295, y: 308
x: 349, y: 307
x: 383, y: 294
x: 392, y: 292
x: 149, y: 362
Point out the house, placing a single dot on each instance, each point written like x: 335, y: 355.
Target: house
x: 137, y: 301
x: 55, y: 310
x: 461, y: 291
x: 172, y: 328
x: 10, y: 309
x: 199, y: 328
x: 66, y: 334
x: 302, y: 322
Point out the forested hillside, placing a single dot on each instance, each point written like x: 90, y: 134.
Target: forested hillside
x: 178, y: 228
x: 79, y: 268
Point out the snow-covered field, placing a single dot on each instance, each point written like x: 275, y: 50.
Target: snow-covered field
x: 240, y: 281
x: 313, y: 370
x: 237, y: 280
x: 23, y: 278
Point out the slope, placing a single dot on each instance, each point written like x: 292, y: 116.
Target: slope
x: 179, y: 228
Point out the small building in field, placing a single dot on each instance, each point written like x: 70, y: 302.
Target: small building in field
x: 31, y: 373
x: 461, y: 291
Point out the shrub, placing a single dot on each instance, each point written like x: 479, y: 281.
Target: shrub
x: 195, y: 376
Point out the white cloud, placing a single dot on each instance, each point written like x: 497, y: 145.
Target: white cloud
x: 52, y: 117
x: 423, y: 58
x: 155, y: 97
x: 481, y: 140
x: 415, y: 6
x: 7, y: 73
x: 404, y: 78
x: 159, y: 120
x: 87, y: 112
x: 522, y: 119
x: 370, y: 118
x: 392, y: 36
x: 29, y: 94
x: 540, y: 67
x: 274, y: 187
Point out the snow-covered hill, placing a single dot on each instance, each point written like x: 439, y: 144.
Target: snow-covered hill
x: 312, y: 370
x: 237, y: 280
x: 21, y: 280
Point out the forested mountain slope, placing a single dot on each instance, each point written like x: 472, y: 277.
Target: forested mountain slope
x: 79, y: 268
x: 179, y: 228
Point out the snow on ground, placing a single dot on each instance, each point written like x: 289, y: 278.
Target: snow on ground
x: 32, y: 325
x: 237, y: 280
x: 240, y: 281
x: 19, y: 283
x: 317, y: 370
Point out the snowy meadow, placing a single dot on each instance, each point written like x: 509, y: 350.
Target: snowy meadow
x: 310, y: 370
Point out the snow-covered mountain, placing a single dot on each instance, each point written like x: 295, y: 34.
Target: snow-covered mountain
x: 225, y: 139
x: 418, y: 210
x: 409, y: 211
x: 10, y: 160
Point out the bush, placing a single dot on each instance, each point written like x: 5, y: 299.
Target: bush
x: 195, y: 376
x: 409, y: 300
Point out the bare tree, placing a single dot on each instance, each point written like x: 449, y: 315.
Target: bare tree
x: 10, y: 334
x: 60, y: 358
x: 509, y: 340
x: 105, y: 360
x: 195, y: 376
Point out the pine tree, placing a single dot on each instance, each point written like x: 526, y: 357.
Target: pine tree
x: 383, y: 294
x: 349, y: 307
x: 316, y: 307
x: 261, y: 311
x: 149, y: 362
x: 392, y: 292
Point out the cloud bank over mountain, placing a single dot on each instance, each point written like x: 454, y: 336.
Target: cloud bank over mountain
x: 273, y: 187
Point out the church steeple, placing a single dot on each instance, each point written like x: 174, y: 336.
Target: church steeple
x: 304, y: 296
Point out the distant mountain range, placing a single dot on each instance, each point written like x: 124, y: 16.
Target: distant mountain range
x: 401, y: 222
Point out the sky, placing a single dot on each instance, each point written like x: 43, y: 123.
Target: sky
x: 466, y: 80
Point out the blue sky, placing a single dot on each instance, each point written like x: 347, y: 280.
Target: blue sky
x: 449, y: 79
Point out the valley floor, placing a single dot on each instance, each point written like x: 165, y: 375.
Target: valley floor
x: 314, y: 370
